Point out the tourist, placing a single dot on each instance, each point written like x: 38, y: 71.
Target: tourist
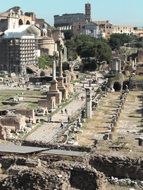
x: 69, y: 119
x: 66, y: 111
x: 62, y: 125
x: 50, y: 118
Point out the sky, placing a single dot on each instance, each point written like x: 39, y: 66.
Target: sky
x: 128, y: 12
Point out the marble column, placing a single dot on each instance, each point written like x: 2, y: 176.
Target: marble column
x: 60, y: 79
x: 88, y: 103
x: 60, y: 64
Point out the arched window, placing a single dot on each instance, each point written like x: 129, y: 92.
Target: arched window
x: 28, y: 22
x: 20, y: 22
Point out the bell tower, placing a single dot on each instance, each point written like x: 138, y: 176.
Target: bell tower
x: 88, y: 12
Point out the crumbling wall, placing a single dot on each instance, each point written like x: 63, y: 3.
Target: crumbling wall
x: 121, y: 167
x: 17, y: 122
x: 32, y: 179
x: 28, y: 174
x: 27, y: 113
x: 84, y: 178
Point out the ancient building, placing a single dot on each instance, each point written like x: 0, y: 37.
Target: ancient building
x: 14, y: 17
x: 18, y: 49
x: 87, y: 28
x: 108, y: 28
x: 66, y: 21
x: 24, y: 38
x: 123, y: 29
x: 78, y: 23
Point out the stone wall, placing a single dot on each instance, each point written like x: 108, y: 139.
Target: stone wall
x: 27, y: 113
x: 18, y: 122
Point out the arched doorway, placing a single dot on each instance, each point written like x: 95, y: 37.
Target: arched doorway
x: 117, y: 86
x: 27, y: 22
x: 20, y: 22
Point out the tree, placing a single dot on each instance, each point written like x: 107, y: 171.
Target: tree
x: 118, y: 40
x: 88, y: 48
x: 71, y: 49
x: 91, y: 47
x: 102, y: 51
x: 45, y: 61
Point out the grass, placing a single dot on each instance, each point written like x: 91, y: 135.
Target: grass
x: 5, y: 94
x: 12, y: 92
x: 139, y: 78
x: 32, y: 106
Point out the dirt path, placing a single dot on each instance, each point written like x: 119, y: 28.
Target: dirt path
x: 100, y: 121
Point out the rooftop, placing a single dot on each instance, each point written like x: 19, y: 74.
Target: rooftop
x: 22, y: 31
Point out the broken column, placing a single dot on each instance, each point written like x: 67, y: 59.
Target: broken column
x: 88, y: 103
x: 67, y: 81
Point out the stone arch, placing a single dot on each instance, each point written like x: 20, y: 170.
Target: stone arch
x: 27, y: 22
x: 117, y: 86
x: 20, y: 22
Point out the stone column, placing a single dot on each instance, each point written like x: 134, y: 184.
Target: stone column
x: 88, y: 103
x: 60, y: 64
x: 53, y: 86
x: 53, y: 89
x: 119, y: 65
x: 60, y: 79
x: 54, y: 70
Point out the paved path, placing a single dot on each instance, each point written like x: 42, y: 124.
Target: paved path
x: 47, y: 131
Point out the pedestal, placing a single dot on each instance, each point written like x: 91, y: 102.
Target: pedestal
x: 54, y: 91
x: 62, y: 88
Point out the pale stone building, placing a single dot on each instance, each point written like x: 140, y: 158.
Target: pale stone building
x: 18, y: 49
x: 106, y: 28
x: 122, y: 29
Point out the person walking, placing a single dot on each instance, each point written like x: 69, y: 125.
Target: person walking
x: 69, y: 119
x: 50, y: 118
x: 66, y: 112
x: 62, y: 125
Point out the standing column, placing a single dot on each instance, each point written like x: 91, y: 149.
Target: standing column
x: 60, y: 79
x: 54, y: 70
x: 88, y: 103
x: 53, y: 86
x: 119, y: 65
x: 60, y: 64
